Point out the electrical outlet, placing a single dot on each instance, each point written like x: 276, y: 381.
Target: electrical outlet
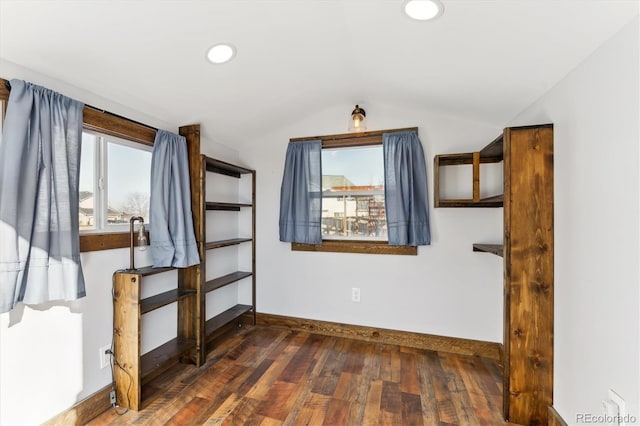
x: 355, y: 294
x: 112, y: 397
x: 105, y: 356
x: 622, y: 408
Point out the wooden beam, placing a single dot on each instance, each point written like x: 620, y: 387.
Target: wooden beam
x: 365, y: 247
x: 372, y: 135
x: 191, y: 313
x: 476, y: 176
x: 528, y: 274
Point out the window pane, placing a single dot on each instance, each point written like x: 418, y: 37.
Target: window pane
x: 353, y: 193
x: 87, y: 182
x: 128, y: 176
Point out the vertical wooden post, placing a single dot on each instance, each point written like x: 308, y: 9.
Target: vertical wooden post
x: 191, y: 309
x: 126, y: 339
x: 476, y: 176
x: 528, y: 274
x: 253, y: 244
x: 436, y: 181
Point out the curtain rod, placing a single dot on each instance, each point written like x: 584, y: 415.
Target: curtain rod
x: 7, y: 84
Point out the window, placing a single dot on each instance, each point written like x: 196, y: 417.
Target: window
x: 353, y: 194
x: 119, y: 130
x: 114, y: 182
x: 353, y: 200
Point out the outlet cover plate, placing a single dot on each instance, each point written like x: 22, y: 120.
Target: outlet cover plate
x: 355, y: 294
x: 105, y: 358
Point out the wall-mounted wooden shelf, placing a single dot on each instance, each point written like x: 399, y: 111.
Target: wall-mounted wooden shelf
x: 495, y: 201
x: 492, y: 153
x: 145, y: 271
x: 496, y: 249
x: 224, y: 168
x: 212, y: 205
x: 158, y: 360
x: 225, y: 318
x: 225, y: 280
x: 225, y: 243
x: 159, y: 300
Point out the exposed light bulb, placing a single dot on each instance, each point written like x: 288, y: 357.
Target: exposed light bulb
x: 357, y: 120
x: 142, y: 238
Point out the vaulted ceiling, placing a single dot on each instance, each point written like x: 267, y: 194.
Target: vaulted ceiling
x: 481, y: 60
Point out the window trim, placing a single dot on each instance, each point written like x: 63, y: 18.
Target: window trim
x: 352, y: 140
x: 101, y: 121
x: 112, y: 125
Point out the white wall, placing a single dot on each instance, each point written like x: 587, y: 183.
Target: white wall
x: 49, y: 359
x: 49, y: 354
x: 596, y: 117
x: 446, y: 289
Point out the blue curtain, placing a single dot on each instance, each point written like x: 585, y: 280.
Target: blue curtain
x: 39, y: 165
x: 405, y: 189
x: 173, y: 241
x: 301, y: 193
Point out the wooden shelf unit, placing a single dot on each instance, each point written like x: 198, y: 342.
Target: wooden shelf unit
x: 200, y: 165
x: 193, y: 331
x: 211, y: 327
x: 133, y: 369
x: 527, y: 251
x: 492, y: 153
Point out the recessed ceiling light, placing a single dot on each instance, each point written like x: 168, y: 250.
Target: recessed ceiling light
x: 423, y: 10
x: 221, y: 53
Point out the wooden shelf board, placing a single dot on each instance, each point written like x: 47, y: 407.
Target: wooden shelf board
x: 496, y: 201
x: 225, y: 318
x: 494, y: 150
x: 213, y: 205
x: 224, y: 168
x: 159, y: 300
x: 225, y: 243
x: 225, y: 280
x: 145, y: 271
x: 464, y: 158
x: 164, y: 356
x: 496, y: 249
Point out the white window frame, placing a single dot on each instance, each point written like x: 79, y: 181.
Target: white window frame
x: 101, y: 182
x: 362, y: 193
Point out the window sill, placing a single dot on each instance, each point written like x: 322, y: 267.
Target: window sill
x: 366, y: 247
x: 105, y: 241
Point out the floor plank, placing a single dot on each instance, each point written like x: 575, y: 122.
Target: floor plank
x: 268, y: 376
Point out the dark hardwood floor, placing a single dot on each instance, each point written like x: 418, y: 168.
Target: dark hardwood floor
x: 269, y: 376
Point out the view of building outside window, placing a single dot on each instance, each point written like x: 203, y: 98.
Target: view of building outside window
x: 114, y: 182
x: 353, y: 194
